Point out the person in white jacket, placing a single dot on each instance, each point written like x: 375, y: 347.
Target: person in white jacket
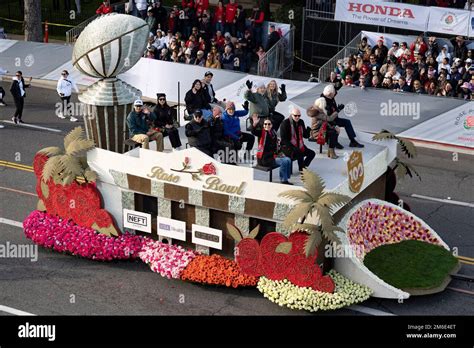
x: 141, y: 6
x: 64, y: 89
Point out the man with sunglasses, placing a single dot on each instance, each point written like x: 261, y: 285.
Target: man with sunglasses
x: 292, y: 132
x: 17, y: 90
x: 64, y: 89
x: 140, y: 127
x: 199, y: 133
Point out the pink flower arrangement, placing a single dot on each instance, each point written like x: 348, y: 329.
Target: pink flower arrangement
x: 63, y: 235
x: 167, y: 260
x: 376, y: 224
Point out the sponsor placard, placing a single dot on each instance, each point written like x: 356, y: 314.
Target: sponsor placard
x: 137, y: 220
x: 449, y: 21
x: 207, y: 236
x: 355, y: 171
x: 380, y: 13
x: 171, y: 228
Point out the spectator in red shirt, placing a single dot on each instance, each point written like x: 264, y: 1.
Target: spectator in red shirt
x: 219, y: 40
x: 230, y: 17
x: 257, y: 18
x: 202, y: 5
x: 104, y: 8
x: 219, y: 17
x: 187, y: 3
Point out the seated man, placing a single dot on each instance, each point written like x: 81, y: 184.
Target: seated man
x: 199, y: 134
x: 209, y: 89
x: 292, y: 132
x: 198, y: 99
x: 221, y: 146
x: 164, y: 121
x: 232, y: 127
x: 140, y: 123
x: 328, y: 94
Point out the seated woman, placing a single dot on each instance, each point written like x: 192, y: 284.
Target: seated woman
x: 198, y: 99
x: 199, y: 133
x: 323, y: 126
x: 274, y: 97
x: 268, y: 154
x: 165, y: 122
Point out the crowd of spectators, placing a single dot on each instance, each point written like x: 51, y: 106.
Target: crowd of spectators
x: 421, y: 66
x: 192, y: 32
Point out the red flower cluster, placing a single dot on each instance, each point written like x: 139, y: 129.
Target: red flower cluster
x: 62, y: 235
x: 217, y: 270
x: 263, y: 259
x: 209, y: 169
x: 81, y: 203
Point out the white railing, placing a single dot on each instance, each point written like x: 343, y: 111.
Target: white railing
x: 280, y: 58
x: 73, y: 34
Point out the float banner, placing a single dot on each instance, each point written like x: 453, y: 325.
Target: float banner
x: 171, y: 228
x: 137, y: 220
x: 207, y: 236
x: 449, y: 21
x: 388, y: 14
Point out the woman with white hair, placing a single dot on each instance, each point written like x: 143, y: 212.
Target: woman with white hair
x: 323, y: 128
x: 328, y: 94
x: 274, y: 97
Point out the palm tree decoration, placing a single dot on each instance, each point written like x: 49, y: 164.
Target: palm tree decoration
x: 70, y: 164
x: 315, y: 202
x: 408, y: 148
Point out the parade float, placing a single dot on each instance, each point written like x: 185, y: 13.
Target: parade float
x: 192, y: 218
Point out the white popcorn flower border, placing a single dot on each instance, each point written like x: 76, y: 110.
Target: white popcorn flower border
x: 284, y: 293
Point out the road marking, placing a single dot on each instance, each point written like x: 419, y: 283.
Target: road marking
x: 19, y: 168
x: 466, y: 262
x: 461, y: 290
x: 11, y: 222
x: 18, y: 191
x: 368, y: 310
x: 2, y: 162
x: 449, y: 201
x: 33, y: 126
x: 465, y: 258
x: 14, y: 311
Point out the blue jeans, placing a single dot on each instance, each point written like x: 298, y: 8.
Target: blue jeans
x: 220, y: 27
x: 285, y: 167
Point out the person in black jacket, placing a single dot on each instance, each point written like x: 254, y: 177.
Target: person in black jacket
x: 221, y: 146
x: 164, y: 120
x: 2, y: 95
x: 199, y: 133
x: 17, y: 90
x: 268, y: 154
x: 198, y: 99
x: 293, y: 132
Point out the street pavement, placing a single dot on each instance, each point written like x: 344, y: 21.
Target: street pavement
x: 62, y: 284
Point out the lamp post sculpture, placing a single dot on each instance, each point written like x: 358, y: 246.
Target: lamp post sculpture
x: 109, y: 46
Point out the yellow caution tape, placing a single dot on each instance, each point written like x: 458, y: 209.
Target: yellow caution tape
x: 53, y: 24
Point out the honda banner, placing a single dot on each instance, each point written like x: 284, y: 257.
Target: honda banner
x: 449, y: 21
x: 388, y: 14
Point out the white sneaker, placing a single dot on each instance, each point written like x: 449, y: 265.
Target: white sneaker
x: 3, y: 104
x: 2, y: 126
x: 73, y: 119
x: 60, y: 115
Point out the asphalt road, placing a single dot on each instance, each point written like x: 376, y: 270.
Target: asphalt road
x: 61, y: 284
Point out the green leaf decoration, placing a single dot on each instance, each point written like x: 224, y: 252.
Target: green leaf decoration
x: 90, y: 175
x: 312, y: 242
x: 408, y: 148
x: 403, y: 169
x: 51, y: 151
x: 44, y: 189
x: 52, y: 168
x: 108, y: 231
x: 74, y: 135
x: 79, y: 147
x: 253, y: 234
x: 40, y: 205
x: 384, y: 135
x: 284, y: 247
x: 234, y: 232
x: 299, y: 211
x: 309, y: 228
x: 71, y: 165
x: 331, y: 236
x: 333, y: 200
x: 313, y: 183
x: 297, y: 195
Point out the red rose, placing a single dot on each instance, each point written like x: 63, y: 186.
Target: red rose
x: 186, y: 160
x: 209, y: 169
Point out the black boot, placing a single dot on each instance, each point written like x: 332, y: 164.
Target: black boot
x: 354, y: 143
x: 339, y: 146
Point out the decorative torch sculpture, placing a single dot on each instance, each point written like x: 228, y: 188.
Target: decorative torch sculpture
x: 108, y: 46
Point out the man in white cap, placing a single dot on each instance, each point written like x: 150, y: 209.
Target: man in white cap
x: 139, y: 123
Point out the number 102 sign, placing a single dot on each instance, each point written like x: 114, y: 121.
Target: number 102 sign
x: 355, y: 171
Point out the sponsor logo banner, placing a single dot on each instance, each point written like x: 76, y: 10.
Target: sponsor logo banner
x: 137, y: 220
x: 449, y: 21
x: 207, y: 236
x: 381, y: 13
x: 171, y: 228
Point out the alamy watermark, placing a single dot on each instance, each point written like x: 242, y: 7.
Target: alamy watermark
x: 403, y: 109
x: 231, y: 156
x: 334, y: 250
x: 23, y: 251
